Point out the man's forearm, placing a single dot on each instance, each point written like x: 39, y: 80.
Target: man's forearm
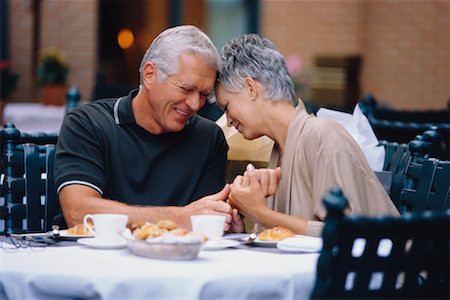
x: 74, y: 213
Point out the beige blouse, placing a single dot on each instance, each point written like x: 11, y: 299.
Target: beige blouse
x: 320, y: 154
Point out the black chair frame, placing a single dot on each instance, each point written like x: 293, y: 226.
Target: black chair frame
x: 415, y: 267
x: 27, y: 187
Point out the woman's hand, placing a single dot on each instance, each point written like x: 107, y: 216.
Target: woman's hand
x: 268, y: 179
x: 247, y: 195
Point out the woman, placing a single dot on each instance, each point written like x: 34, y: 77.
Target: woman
x: 256, y: 93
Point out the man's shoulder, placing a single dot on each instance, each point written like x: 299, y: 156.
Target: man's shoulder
x: 96, y: 114
x: 96, y: 109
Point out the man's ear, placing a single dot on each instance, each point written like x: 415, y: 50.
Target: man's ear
x: 251, y: 87
x: 148, y: 73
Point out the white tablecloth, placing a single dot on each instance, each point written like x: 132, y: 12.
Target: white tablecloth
x: 80, y: 272
x: 34, y: 117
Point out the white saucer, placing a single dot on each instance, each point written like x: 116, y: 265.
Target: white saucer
x: 94, y: 243
x: 217, y: 245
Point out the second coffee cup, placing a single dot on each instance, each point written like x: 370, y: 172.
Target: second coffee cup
x: 209, y: 225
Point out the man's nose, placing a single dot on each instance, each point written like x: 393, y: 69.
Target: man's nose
x: 194, y: 101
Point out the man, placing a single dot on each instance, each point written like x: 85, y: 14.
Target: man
x: 148, y: 154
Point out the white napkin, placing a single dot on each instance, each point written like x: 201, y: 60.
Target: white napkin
x: 360, y: 129
x: 301, y: 243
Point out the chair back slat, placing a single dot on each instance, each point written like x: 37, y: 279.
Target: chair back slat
x: 33, y: 186
x: 52, y: 207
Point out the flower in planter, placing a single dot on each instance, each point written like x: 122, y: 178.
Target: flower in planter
x: 299, y: 75
x: 52, y: 68
x: 52, y: 72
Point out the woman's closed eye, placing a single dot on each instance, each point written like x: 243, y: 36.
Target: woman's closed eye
x: 224, y: 109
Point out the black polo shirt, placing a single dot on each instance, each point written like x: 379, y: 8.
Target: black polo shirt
x: 101, y: 146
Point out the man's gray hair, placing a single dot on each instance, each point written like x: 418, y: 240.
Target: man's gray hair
x: 256, y: 57
x: 167, y: 47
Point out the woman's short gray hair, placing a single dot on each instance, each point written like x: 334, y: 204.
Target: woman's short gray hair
x: 171, y: 43
x: 256, y: 57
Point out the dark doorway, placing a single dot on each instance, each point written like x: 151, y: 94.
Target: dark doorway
x: 118, y: 71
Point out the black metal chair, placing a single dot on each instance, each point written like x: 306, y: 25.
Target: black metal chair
x: 397, y: 158
x: 384, y: 257
x: 427, y: 186
x: 402, y: 126
x: 27, y: 184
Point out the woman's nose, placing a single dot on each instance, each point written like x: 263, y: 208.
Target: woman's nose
x: 229, y: 121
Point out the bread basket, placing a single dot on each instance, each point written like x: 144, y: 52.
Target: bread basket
x: 165, y: 247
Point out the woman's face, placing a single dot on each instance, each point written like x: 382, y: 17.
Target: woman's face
x: 241, y: 111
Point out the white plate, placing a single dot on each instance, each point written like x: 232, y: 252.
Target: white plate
x: 222, y: 244
x: 64, y: 236
x: 261, y: 243
x: 94, y: 243
x: 301, y: 243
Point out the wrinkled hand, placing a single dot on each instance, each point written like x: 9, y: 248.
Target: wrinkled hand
x: 247, y: 195
x: 210, y: 205
x: 268, y: 179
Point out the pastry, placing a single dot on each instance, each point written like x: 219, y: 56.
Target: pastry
x: 79, y: 229
x: 276, y: 234
x: 166, y: 224
x: 136, y: 224
x: 148, y: 231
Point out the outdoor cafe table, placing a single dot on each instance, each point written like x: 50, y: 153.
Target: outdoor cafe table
x: 34, y: 117
x: 68, y: 272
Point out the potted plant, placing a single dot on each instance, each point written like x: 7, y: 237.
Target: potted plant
x: 52, y: 73
x: 8, y: 84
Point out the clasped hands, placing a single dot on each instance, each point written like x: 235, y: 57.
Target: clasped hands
x: 245, y: 196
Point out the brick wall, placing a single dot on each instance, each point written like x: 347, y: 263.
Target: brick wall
x: 407, y: 53
x: 21, y: 28
x: 70, y: 26
x: 404, y: 44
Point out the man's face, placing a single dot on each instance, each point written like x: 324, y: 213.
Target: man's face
x: 176, y: 99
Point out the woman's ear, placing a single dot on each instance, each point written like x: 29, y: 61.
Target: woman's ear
x: 251, y: 87
x: 148, y: 73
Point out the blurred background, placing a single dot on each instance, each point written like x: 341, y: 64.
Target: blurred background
x: 337, y: 50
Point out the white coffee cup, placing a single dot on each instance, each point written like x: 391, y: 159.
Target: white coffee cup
x: 107, y: 227
x: 209, y: 225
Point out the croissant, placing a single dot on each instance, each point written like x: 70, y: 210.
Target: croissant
x: 276, y: 234
x: 79, y: 229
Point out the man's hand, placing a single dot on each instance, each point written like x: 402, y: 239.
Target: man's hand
x: 237, y: 222
x: 209, y: 205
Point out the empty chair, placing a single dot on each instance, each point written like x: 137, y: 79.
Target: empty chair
x: 396, y: 160
x: 370, y: 107
x: 401, y: 126
x: 382, y: 257
x: 27, y: 184
x: 427, y: 186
